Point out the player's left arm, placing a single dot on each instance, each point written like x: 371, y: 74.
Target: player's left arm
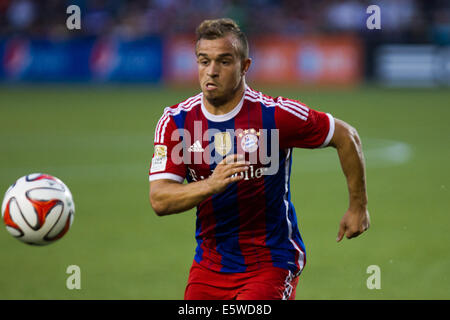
x: 346, y: 140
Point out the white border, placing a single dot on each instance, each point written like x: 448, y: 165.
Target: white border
x: 166, y: 175
x: 330, y: 132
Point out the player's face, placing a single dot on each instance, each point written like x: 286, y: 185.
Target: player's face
x: 220, y: 69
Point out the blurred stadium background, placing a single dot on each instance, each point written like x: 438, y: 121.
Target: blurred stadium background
x: 82, y: 105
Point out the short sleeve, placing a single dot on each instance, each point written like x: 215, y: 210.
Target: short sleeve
x: 302, y: 127
x: 167, y: 161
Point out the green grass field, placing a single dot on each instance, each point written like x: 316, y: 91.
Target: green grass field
x: 99, y: 141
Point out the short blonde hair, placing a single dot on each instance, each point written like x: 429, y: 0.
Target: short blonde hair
x: 219, y: 28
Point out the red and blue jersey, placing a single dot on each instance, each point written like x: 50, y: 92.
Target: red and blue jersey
x: 252, y: 223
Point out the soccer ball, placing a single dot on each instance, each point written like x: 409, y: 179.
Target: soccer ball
x: 38, y: 209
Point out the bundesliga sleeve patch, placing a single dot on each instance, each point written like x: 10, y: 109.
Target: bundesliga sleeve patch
x: 159, y: 160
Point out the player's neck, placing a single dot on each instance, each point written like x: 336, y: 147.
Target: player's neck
x: 227, y: 106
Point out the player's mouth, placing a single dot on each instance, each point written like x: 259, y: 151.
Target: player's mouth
x: 211, y: 86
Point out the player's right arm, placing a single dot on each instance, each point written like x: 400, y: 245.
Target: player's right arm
x: 170, y: 196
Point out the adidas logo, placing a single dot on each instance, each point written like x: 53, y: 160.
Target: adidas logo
x: 196, y: 147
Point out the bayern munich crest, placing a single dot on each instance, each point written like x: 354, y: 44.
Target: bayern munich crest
x: 249, y: 141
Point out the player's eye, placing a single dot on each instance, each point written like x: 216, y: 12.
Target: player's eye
x: 226, y: 62
x: 204, y: 62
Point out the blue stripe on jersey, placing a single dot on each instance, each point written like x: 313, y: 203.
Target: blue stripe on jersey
x: 272, y: 186
x: 282, y: 250
x: 198, y: 229
x: 226, y: 212
x: 180, y: 119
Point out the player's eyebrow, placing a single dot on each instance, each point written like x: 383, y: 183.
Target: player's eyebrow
x: 222, y: 55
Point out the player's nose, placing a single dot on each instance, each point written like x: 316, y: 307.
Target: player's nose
x: 213, y: 69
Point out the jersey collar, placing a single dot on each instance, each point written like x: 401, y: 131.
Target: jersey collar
x: 226, y: 116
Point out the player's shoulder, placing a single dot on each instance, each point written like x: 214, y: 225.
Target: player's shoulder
x: 183, y: 106
x: 283, y: 104
x: 170, y: 117
x: 259, y: 96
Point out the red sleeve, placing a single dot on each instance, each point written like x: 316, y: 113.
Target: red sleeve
x: 302, y: 127
x: 167, y: 161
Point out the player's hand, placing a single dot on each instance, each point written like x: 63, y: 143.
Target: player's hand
x: 225, y: 173
x: 353, y: 223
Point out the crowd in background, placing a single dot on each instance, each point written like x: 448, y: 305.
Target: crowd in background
x: 401, y: 20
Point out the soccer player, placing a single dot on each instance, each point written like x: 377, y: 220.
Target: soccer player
x: 233, y: 145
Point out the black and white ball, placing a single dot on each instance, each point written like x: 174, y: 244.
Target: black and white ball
x: 38, y: 209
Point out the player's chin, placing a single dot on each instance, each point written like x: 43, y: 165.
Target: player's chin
x: 217, y: 100
x: 213, y: 96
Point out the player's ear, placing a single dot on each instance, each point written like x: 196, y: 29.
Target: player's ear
x: 245, y: 65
